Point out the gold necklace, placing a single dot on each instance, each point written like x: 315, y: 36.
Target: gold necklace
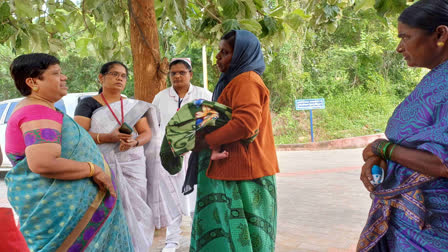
x: 51, y: 105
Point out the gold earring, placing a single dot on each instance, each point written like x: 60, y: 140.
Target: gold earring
x: 35, y: 88
x: 440, y: 44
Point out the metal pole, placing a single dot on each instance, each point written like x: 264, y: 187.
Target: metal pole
x: 204, y: 67
x: 311, y: 125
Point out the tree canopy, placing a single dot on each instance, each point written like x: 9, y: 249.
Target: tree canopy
x: 101, y: 28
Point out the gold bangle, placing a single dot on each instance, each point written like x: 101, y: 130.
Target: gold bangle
x: 92, y: 169
x: 98, y: 138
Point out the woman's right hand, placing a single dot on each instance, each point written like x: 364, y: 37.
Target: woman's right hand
x: 103, y: 181
x: 367, y: 152
x: 366, y: 171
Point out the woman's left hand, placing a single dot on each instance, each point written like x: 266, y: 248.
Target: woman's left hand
x: 127, y: 144
x: 124, y: 137
x: 103, y: 181
x: 366, y: 171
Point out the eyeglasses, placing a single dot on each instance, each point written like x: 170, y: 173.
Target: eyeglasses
x: 116, y: 74
x: 182, y: 73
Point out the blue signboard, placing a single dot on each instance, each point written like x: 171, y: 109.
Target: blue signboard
x: 308, y: 104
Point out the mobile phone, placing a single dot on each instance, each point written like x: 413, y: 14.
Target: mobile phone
x: 125, y: 129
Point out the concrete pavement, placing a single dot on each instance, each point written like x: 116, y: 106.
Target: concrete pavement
x: 322, y: 205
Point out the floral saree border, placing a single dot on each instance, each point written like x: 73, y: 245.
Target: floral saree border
x: 406, y: 197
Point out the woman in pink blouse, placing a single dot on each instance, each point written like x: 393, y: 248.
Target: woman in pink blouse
x: 60, y: 186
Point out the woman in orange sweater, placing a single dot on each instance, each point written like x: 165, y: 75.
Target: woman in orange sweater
x: 236, y: 208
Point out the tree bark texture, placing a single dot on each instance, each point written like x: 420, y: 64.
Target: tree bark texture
x: 149, y: 70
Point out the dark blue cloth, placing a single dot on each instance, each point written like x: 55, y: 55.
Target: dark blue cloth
x: 247, y: 56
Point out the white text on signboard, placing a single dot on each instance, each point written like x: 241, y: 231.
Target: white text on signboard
x: 308, y: 104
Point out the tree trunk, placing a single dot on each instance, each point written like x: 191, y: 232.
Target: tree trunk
x: 149, y: 70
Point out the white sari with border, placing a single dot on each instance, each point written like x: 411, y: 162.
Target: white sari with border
x: 148, y: 197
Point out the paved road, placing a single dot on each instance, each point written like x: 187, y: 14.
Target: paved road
x: 322, y: 205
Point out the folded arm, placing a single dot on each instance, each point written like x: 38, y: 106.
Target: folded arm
x: 247, y: 100
x: 420, y: 161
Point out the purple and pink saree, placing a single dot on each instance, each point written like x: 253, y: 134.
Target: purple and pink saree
x: 409, y: 211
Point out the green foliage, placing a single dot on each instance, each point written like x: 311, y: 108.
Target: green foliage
x: 384, y: 7
x: 284, y: 75
x: 82, y: 73
x: 355, y: 113
x: 7, y: 87
x: 357, y: 71
x: 99, y: 28
x: 94, y: 28
x: 359, y: 55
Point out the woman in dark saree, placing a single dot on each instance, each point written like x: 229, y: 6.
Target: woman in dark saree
x: 410, y: 207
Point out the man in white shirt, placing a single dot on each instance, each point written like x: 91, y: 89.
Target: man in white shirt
x: 169, y: 101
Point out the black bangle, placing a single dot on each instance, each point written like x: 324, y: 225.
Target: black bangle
x: 137, y: 143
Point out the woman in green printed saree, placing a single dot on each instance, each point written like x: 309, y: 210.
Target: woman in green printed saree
x: 236, y: 207
x: 60, y: 207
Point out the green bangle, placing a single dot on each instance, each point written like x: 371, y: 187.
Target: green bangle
x: 384, y: 150
x: 391, y: 150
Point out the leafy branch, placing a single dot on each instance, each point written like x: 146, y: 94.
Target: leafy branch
x: 84, y: 17
x: 208, y: 11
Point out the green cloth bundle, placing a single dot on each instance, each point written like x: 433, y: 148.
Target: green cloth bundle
x: 180, y: 133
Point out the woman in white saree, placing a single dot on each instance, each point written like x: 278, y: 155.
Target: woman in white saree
x: 134, y: 157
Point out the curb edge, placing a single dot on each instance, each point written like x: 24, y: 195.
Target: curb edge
x: 343, y: 143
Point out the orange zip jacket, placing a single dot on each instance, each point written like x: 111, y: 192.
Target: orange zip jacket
x: 248, y: 97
